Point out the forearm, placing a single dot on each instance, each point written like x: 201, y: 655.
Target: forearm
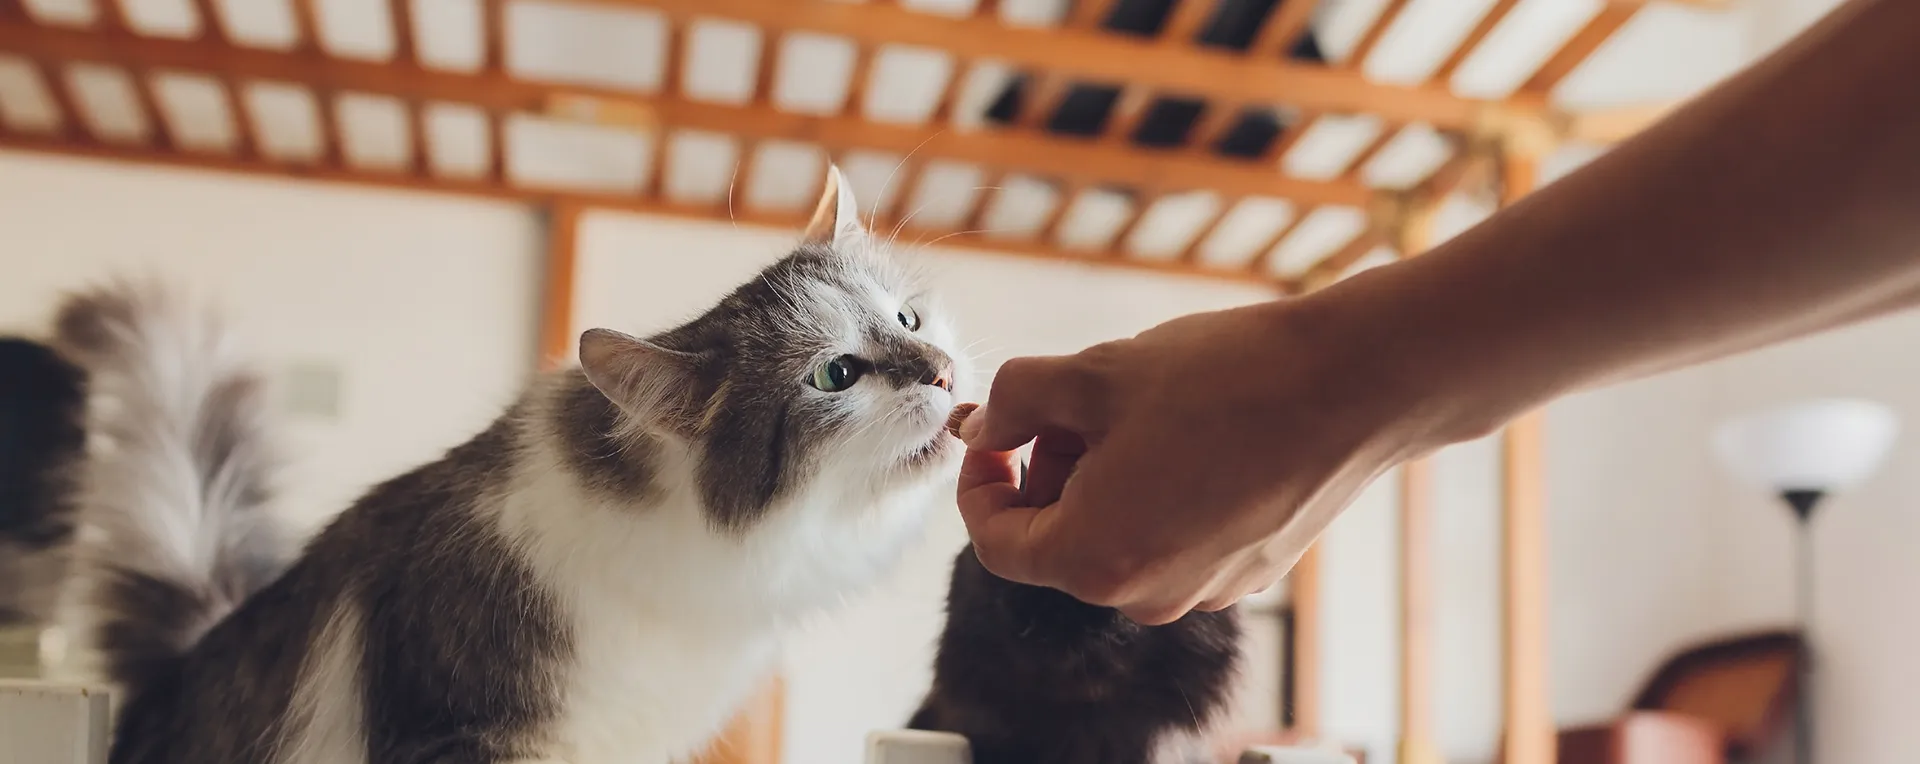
x: 1785, y: 201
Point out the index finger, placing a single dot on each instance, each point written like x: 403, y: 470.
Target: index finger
x: 1004, y: 531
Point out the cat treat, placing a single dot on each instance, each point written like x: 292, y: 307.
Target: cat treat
x: 959, y: 417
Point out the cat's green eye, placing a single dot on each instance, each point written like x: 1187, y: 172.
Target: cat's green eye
x: 908, y: 317
x: 836, y: 375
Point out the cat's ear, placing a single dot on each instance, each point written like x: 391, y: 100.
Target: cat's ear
x: 648, y: 381
x: 837, y: 216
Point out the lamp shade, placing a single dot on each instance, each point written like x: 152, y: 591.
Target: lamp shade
x: 1819, y: 445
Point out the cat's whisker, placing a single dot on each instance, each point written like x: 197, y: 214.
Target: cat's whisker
x: 887, y: 185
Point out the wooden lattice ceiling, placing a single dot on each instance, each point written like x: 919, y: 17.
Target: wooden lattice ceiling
x: 1174, y: 135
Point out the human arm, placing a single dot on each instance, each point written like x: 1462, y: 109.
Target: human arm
x: 1208, y: 452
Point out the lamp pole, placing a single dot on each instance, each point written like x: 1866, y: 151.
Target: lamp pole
x: 1803, y: 501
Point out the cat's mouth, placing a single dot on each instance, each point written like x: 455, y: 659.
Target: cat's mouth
x: 931, y: 450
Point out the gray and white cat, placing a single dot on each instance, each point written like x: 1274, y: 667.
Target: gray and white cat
x: 600, y: 576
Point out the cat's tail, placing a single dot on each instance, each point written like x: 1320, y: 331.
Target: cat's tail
x: 176, y: 531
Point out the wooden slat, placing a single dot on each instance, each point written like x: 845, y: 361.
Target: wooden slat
x: 855, y: 105
x: 1089, y: 14
x: 1143, y: 201
x: 541, y: 196
x: 1184, y: 25
x: 497, y: 147
x: 1576, y: 50
x: 1064, y: 195
x: 1294, y: 132
x: 212, y: 28
x: 1357, y: 58
x: 493, y: 32
x: 418, y: 160
x: 1528, y: 717
x: 1358, y: 166
x: 1087, y: 55
x: 561, y: 276
x: 1042, y: 98
x: 400, y: 19
x: 241, y: 120
x: 149, y: 106
x: 111, y: 15
x: 1213, y: 125
x: 1043, y: 155
x: 326, y: 104
x: 1128, y: 110
x: 1282, y: 29
x: 905, y: 179
x: 1468, y: 45
x: 1191, y: 252
x: 983, y: 198
x: 944, y: 109
x: 1330, y: 267
x: 1263, y: 257
x: 675, y: 52
x: 306, y: 26
x: 1303, y: 592
x: 73, y: 125
x: 1416, y: 612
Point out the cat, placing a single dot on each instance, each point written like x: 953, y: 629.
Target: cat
x: 42, y: 440
x: 599, y: 576
x: 1030, y: 675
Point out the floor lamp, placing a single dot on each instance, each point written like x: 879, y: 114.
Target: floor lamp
x: 1803, y: 453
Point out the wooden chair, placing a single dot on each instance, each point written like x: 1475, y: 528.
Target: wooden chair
x: 1714, y: 701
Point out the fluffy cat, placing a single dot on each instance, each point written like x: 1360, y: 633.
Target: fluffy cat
x: 1031, y: 675
x: 42, y: 399
x: 600, y: 576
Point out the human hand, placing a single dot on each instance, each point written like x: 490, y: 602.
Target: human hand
x: 1186, y: 467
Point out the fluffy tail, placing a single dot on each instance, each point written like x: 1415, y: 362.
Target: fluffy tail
x: 174, y: 492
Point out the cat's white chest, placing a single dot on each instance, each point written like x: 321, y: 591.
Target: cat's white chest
x: 645, y: 695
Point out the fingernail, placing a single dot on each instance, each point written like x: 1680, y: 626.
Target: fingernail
x: 970, y: 428
x: 958, y: 418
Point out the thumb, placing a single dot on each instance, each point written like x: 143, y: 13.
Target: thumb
x: 1032, y: 395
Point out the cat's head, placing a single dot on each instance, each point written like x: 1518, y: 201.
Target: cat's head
x: 832, y: 367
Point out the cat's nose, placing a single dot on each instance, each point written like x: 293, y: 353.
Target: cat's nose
x: 940, y: 376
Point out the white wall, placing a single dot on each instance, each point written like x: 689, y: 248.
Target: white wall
x: 420, y: 302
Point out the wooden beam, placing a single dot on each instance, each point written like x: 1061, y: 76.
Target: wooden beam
x: 1303, y: 589
x: 1009, y: 150
x: 1417, y: 742
x: 561, y: 268
x: 486, y: 189
x: 1064, y: 195
x: 1094, y: 56
x: 1528, y: 716
x: 1478, y: 34
x: 1216, y: 119
x: 1411, y: 232
x: 1578, y: 48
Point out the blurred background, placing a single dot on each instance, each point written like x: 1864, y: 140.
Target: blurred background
x: 412, y: 205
